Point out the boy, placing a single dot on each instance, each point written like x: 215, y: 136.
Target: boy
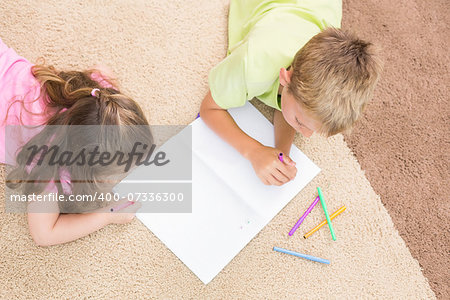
x: 323, y: 87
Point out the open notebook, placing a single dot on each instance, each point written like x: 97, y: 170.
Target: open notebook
x: 230, y: 204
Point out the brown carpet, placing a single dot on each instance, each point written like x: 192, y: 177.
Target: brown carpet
x: 403, y: 143
x: 162, y: 51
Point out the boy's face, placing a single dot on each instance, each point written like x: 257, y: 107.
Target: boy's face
x: 294, y: 112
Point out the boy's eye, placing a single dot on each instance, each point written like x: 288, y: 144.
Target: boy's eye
x: 298, y: 122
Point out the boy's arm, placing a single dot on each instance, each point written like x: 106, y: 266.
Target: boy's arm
x: 284, y: 133
x: 264, y: 159
x: 221, y: 122
x: 51, y: 228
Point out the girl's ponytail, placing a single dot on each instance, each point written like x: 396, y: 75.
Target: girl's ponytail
x: 63, y: 89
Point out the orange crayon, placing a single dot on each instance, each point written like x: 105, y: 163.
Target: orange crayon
x: 334, y: 215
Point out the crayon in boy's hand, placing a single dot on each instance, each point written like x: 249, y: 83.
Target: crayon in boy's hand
x: 280, y: 157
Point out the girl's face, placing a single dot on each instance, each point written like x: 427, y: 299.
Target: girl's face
x: 295, y: 113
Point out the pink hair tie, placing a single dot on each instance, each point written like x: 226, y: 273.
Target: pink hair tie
x: 93, y: 92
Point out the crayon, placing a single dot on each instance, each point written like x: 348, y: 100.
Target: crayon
x: 305, y: 256
x: 280, y: 157
x: 334, y: 215
x: 302, y: 218
x: 324, y: 206
x: 119, y: 207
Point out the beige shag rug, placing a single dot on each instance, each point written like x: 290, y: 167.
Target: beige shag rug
x: 162, y: 52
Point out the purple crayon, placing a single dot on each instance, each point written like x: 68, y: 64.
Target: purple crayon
x: 122, y: 206
x: 300, y: 221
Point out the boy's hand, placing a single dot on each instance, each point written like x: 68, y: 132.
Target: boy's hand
x: 269, y: 168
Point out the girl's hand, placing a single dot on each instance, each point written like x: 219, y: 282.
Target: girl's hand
x: 105, y: 70
x: 269, y: 168
x: 106, y: 77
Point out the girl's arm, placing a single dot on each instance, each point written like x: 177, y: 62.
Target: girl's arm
x: 51, y: 227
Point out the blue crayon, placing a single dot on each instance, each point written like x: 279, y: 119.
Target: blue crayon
x: 305, y: 256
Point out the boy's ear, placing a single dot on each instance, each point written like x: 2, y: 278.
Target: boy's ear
x: 285, y: 76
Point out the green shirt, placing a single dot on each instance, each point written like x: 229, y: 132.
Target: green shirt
x: 264, y: 36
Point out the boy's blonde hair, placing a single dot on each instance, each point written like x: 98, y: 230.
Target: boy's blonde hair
x: 334, y: 76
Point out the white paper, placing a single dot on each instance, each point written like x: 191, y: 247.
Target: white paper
x: 230, y: 204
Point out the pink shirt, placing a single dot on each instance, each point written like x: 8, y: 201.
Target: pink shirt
x: 18, y: 83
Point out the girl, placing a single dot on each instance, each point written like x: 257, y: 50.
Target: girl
x: 32, y: 95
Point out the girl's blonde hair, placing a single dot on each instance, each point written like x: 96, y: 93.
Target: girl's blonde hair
x: 72, y: 91
x: 334, y: 76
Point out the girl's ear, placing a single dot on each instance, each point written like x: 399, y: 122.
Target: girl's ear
x: 285, y: 76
